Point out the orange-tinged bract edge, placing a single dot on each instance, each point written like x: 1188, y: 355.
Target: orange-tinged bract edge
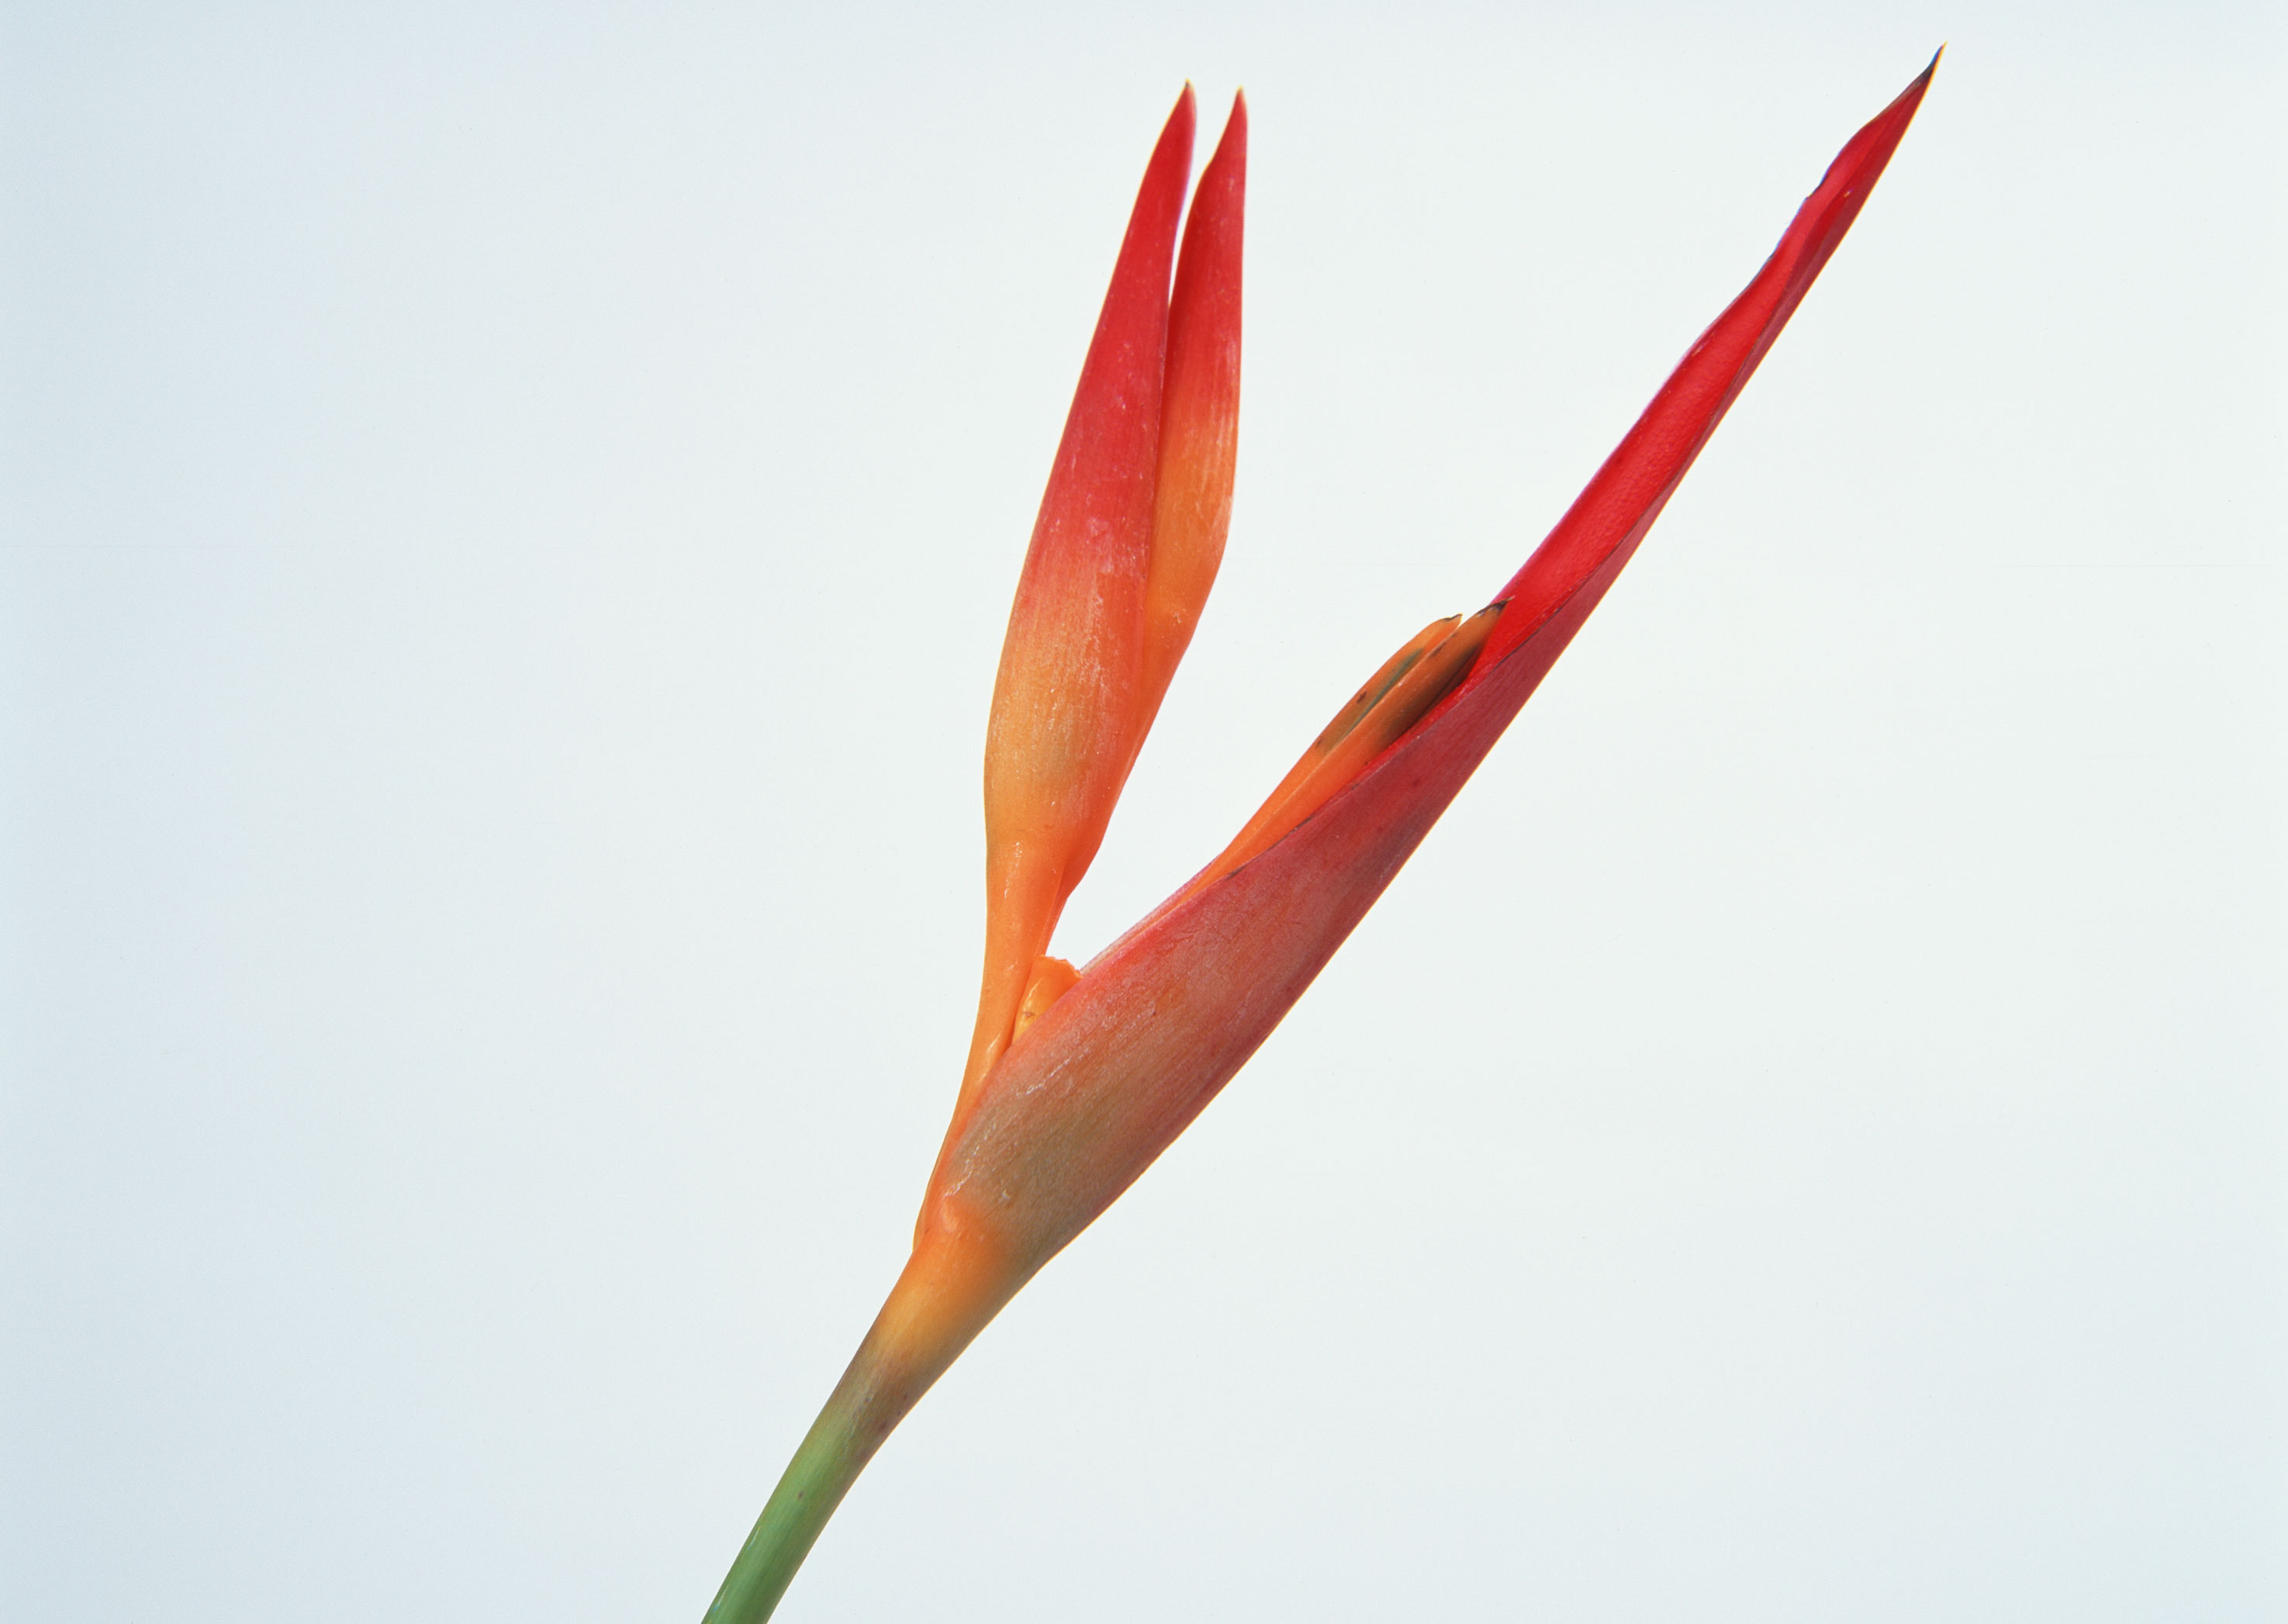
x: 1111, y: 1071
x: 1397, y: 696
x: 1051, y: 980
x: 1265, y: 826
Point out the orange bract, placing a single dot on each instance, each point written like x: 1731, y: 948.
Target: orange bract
x: 1394, y: 698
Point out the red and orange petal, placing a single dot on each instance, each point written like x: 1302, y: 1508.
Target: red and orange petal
x: 1064, y: 718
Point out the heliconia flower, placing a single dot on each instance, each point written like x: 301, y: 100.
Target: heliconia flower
x: 1078, y: 1080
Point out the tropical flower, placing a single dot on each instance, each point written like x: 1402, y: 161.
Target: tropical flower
x: 1077, y: 1079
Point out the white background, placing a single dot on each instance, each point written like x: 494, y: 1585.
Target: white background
x: 506, y: 518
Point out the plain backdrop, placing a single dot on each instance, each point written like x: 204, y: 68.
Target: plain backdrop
x: 506, y: 520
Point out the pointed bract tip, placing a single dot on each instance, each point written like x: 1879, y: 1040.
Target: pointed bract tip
x: 1922, y: 79
x: 1235, y: 128
x: 1908, y: 102
x: 1183, y: 119
x: 1231, y: 147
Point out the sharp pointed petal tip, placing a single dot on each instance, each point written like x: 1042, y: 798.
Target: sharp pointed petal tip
x: 1922, y: 79
x: 1183, y: 120
x: 1230, y: 155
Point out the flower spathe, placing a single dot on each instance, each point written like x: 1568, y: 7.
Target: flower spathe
x: 1077, y: 1080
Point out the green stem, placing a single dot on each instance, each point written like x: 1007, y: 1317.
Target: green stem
x: 813, y: 1484
x: 938, y: 1306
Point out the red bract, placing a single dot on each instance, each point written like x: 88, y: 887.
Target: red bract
x: 1130, y: 532
x: 1078, y: 1083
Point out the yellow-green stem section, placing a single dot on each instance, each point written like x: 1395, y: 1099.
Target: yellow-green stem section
x: 951, y: 1288
x: 828, y: 1462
